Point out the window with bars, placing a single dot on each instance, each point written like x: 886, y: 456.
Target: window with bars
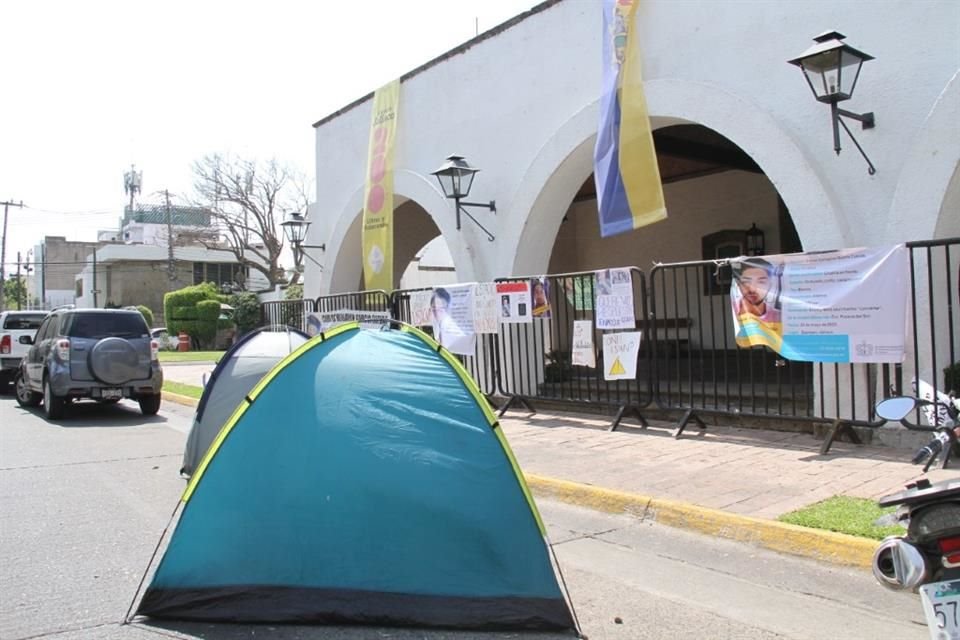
x: 218, y: 273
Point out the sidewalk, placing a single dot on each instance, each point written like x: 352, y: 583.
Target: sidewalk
x: 726, y: 481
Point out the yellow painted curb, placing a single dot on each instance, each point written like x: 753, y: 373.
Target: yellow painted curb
x: 179, y: 399
x: 827, y: 546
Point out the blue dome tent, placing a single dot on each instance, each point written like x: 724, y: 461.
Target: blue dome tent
x: 364, y: 480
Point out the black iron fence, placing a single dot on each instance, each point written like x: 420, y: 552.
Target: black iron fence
x: 688, y: 362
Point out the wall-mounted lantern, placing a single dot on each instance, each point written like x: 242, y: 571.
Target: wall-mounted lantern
x: 455, y: 178
x: 756, y: 243
x: 832, y: 68
x: 295, y: 229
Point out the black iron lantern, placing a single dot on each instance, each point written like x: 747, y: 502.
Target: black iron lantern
x: 295, y: 229
x: 831, y: 68
x: 456, y: 177
x: 756, y: 243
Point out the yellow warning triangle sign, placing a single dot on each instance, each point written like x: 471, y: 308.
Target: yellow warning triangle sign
x: 616, y: 369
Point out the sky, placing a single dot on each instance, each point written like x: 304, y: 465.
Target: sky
x: 90, y: 88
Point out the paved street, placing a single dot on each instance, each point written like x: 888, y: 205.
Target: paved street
x: 83, y: 503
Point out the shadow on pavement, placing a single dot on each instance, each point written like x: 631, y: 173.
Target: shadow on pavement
x: 226, y: 631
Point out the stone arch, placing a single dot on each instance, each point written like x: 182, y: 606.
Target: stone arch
x: 566, y: 159
x: 928, y: 181
x: 346, y: 266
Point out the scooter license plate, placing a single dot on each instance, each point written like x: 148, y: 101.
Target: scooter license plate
x: 111, y: 394
x: 941, y: 606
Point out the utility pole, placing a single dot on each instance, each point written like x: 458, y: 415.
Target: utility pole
x: 43, y: 275
x: 3, y: 248
x: 171, y: 269
x: 19, y: 283
x: 94, y: 291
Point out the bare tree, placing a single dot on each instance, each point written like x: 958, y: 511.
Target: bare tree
x: 249, y: 199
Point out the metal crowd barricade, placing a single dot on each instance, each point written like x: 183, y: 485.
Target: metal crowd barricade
x: 377, y: 301
x: 537, y: 357
x: 482, y: 365
x: 697, y: 365
x: 291, y: 313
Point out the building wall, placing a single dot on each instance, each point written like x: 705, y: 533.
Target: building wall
x: 58, y: 263
x: 523, y: 106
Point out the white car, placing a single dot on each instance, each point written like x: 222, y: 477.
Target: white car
x: 13, y: 326
x: 162, y: 336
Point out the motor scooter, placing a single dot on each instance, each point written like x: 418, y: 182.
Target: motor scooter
x: 927, y: 559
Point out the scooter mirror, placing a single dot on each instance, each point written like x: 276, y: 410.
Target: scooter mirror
x: 896, y: 408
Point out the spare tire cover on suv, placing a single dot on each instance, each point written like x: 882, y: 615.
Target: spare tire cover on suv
x: 115, y: 361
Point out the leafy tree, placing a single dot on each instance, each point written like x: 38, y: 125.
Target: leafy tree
x: 248, y: 199
x: 146, y: 313
x: 14, y: 292
x: 246, y: 311
x: 294, y: 292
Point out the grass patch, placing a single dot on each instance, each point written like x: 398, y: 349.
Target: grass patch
x: 190, y: 356
x: 182, y: 389
x: 843, y: 514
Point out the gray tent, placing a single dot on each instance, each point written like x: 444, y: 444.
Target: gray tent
x: 240, y: 368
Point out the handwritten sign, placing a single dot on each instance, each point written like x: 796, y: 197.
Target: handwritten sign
x: 615, y: 299
x: 620, y: 355
x: 583, y: 353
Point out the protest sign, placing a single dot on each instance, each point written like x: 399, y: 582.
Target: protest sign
x: 453, y: 318
x: 615, y: 299
x: 486, y: 311
x: 318, y: 321
x: 833, y: 306
x: 620, y: 355
x: 514, y: 302
x: 420, y: 315
x: 583, y: 353
x: 540, y: 297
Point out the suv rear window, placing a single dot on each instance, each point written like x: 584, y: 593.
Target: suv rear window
x: 23, y: 321
x: 103, y: 324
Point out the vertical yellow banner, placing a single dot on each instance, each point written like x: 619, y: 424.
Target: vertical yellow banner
x: 638, y: 157
x: 378, y: 194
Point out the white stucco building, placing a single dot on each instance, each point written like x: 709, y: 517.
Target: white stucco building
x: 737, y: 129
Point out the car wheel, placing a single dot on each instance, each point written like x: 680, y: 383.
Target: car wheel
x: 149, y: 405
x: 53, y: 405
x: 26, y: 397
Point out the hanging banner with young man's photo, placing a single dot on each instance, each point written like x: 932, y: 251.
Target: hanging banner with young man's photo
x: 451, y: 308
x: 514, y: 302
x: 833, y: 306
x: 377, y: 231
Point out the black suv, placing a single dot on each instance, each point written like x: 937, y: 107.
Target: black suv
x: 103, y: 354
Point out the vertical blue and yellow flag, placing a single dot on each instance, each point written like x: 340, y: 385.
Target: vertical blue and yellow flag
x: 377, y: 234
x: 629, y: 194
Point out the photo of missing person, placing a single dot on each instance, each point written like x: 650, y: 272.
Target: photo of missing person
x: 755, y: 301
x: 540, y: 297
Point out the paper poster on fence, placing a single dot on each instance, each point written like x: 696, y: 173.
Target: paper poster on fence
x: 540, y: 297
x: 615, y: 299
x: 452, y: 318
x: 420, y: 315
x: 514, y: 302
x: 620, y: 355
x: 833, y: 306
x: 486, y: 309
x: 318, y: 321
x: 580, y: 291
x: 583, y: 354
